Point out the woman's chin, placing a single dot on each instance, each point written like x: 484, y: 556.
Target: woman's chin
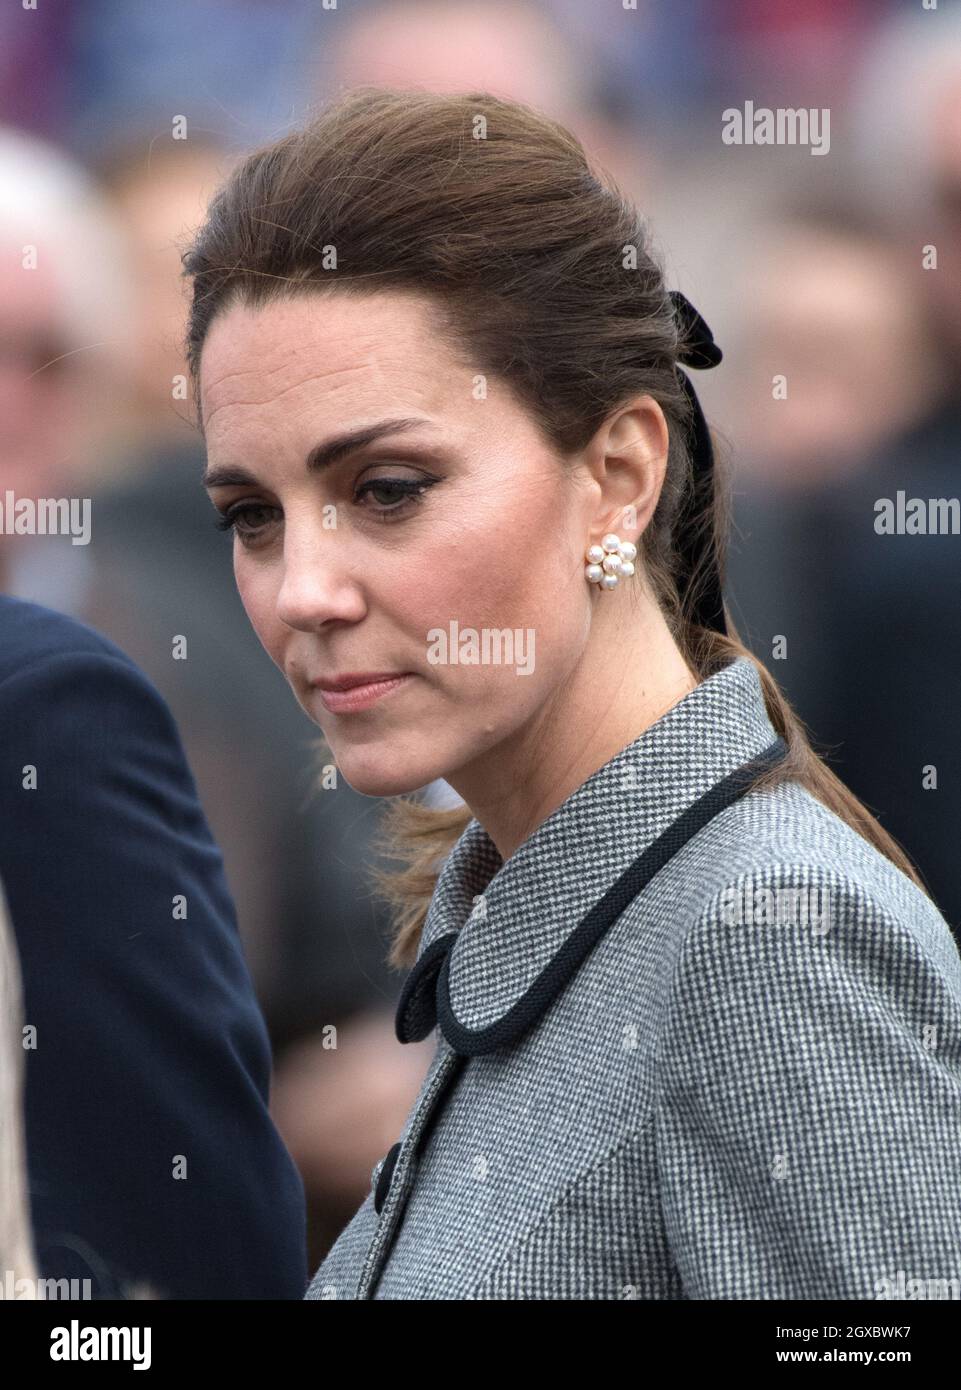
x: 383, y: 776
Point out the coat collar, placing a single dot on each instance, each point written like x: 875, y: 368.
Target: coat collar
x: 494, y: 928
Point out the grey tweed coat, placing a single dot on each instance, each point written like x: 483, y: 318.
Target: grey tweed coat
x: 739, y: 1080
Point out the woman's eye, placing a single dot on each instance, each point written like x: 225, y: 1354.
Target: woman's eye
x: 392, y: 495
x: 247, y: 519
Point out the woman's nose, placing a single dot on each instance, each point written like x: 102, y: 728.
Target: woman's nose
x: 318, y: 585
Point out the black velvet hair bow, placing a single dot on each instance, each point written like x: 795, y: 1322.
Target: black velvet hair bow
x: 696, y: 542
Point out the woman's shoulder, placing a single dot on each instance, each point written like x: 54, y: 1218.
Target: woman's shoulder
x: 788, y: 874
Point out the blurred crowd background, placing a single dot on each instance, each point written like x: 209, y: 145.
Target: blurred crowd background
x: 810, y: 267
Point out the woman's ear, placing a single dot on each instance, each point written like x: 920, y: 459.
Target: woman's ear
x: 628, y: 459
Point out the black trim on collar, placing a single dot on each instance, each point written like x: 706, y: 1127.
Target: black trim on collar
x: 416, y: 1008
x: 385, y: 1175
x: 421, y: 1007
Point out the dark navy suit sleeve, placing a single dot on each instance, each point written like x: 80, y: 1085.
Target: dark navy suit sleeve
x: 151, y: 1153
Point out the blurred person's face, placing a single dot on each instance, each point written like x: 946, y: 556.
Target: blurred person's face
x: 468, y: 517
x: 446, y: 46
x: 839, y: 321
x: 158, y: 209
x: 41, y: 383
x: 940, y: 225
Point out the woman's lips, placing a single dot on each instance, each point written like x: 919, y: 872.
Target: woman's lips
x: 360, y: 696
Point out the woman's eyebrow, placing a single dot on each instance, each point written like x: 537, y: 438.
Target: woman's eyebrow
x: 325, y: 454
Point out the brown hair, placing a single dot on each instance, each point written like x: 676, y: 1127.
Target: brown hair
x: 543, y: 274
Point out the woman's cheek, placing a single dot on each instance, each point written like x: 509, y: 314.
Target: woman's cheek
x: 258, y: 594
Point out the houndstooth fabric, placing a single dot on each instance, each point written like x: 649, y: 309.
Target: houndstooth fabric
x: 749, y: 1089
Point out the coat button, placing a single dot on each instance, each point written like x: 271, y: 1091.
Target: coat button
x: 382, y: 1174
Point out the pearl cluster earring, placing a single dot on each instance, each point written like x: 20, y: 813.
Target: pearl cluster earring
x: 609, y: 561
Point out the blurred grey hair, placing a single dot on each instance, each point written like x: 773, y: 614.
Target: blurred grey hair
x: 48, y: 201
x: 16, y: 1240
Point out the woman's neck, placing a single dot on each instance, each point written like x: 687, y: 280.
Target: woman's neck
x: 630, y: 674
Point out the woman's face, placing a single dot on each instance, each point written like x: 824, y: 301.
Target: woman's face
x: 352, y: 564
